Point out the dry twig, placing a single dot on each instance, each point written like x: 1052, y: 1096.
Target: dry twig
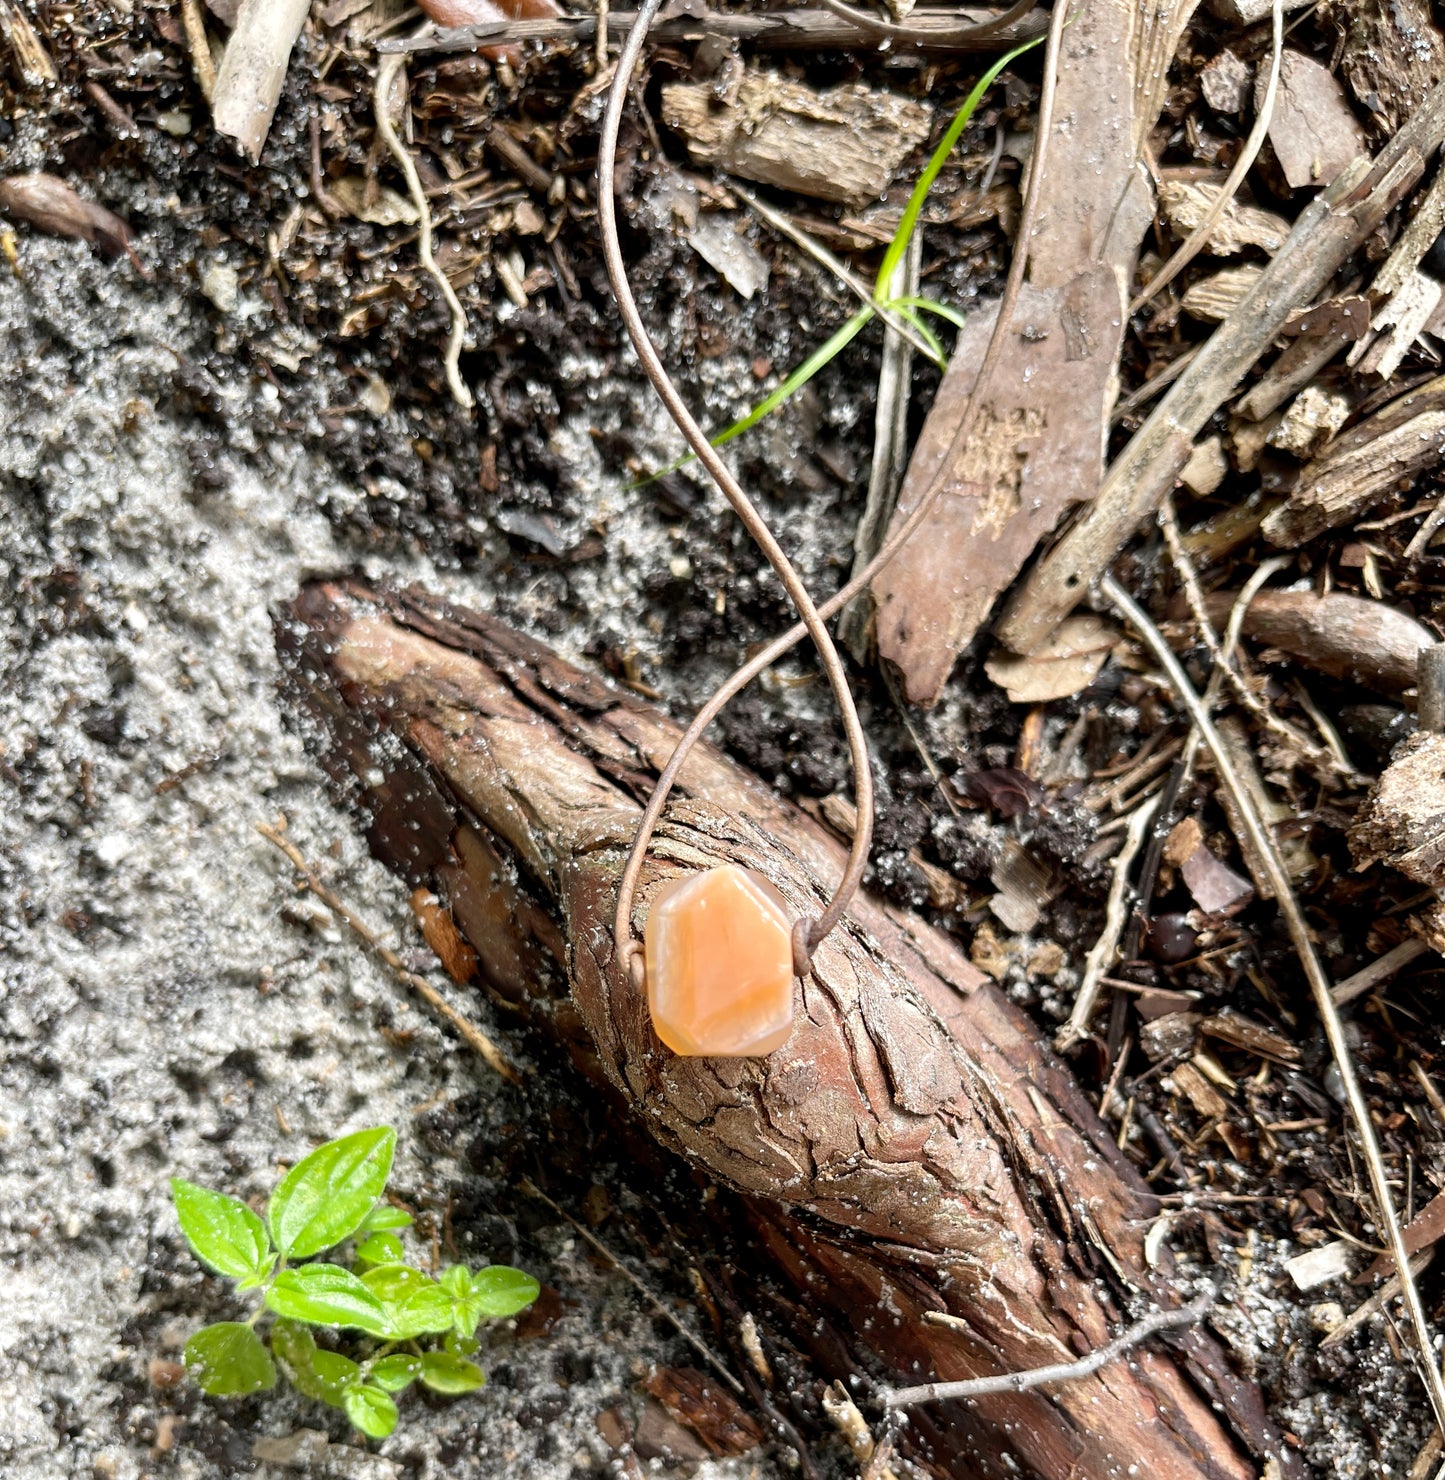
x: 1116, y: 916
x: 1018, y: 1382
x: 470, y: 1033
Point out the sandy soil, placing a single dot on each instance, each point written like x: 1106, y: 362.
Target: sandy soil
x: 168, y: 1004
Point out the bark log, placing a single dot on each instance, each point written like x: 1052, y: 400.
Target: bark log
x: 913, y: 1147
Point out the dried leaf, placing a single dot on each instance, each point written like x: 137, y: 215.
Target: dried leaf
x: 1069, y: 661
x: 386, y: 208
x: 1313, y: 131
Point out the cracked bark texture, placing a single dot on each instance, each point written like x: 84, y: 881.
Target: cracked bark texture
x: 912, y: 1147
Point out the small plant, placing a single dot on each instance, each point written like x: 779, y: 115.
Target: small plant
x: 908, y: 308
x: 411, y: 1327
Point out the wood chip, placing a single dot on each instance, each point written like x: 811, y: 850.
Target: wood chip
x: 1207, y: 467
x: 1312, y: 129
x: 1216, y: 888
x: 1391, y: 55
x: 1216, y: 297
x: 1069, y: 662
x: 1402, y: 821
x: 1318, y: 1266
x: 1170, y: 1034
x: 1398, y: 325
x: 1427, y: 1227
x: 32, y: 61
x: 380, y: 207
x: 1207, y: 1100
x: 1347, y: 315
x: 1312, y: 418
x: 843, y: 144
x: 1362, y: 465
x: 1185, y: 203
x: 1185, y: 838
x: 693, y: 1399
x: 1226, y: 83
x: 1239, y: 1031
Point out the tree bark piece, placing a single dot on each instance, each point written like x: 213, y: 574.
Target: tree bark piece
x: 1361, y: 466
x: 1392, y: 55
x: 1402, y: 822
x: 1038, y: 447
x: 912, y: 1147
x: 1324, y: 235
x: 843, y: 144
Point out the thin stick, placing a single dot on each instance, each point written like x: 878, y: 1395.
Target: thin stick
x: 1116, y: 914
x: 471, y: 1034
x: 1199, y: 237
x: 880, y: 27
x: 390, y: 69
x: 660, y: 1306
x: 1266, y: 850
x: 1189, y: 580
x: 1019, y: 1382
x: 1379, y: 970
x: 935, y: 29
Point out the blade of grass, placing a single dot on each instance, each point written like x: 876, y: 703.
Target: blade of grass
x: 947, y: 311
x: 828, y: 350
x: 911, y: 212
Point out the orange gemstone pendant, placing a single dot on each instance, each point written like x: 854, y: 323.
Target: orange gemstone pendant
x: 720, y: 965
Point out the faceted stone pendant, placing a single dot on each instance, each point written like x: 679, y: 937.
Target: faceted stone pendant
x: 720, y: 965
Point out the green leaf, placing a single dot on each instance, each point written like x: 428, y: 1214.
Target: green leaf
x: 456, y: 1280
x: 326, y: 1196
x: 444, y: 1373
x: 224, y: 1234
x: 899, y: 245
x: 502, y: 1291
x: 460, y: 1344
x: 228, y: 1359
x: 395, y: 1373
x: 327, y: 1295
x: 414, y: 1303
x: 381, y: 1248
x: 382, y: 1218
x: 313, y: 1370
x: 370, y: 1410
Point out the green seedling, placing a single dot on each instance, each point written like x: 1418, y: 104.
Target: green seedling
x: 396, y: 1323
x: 910, y: 308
